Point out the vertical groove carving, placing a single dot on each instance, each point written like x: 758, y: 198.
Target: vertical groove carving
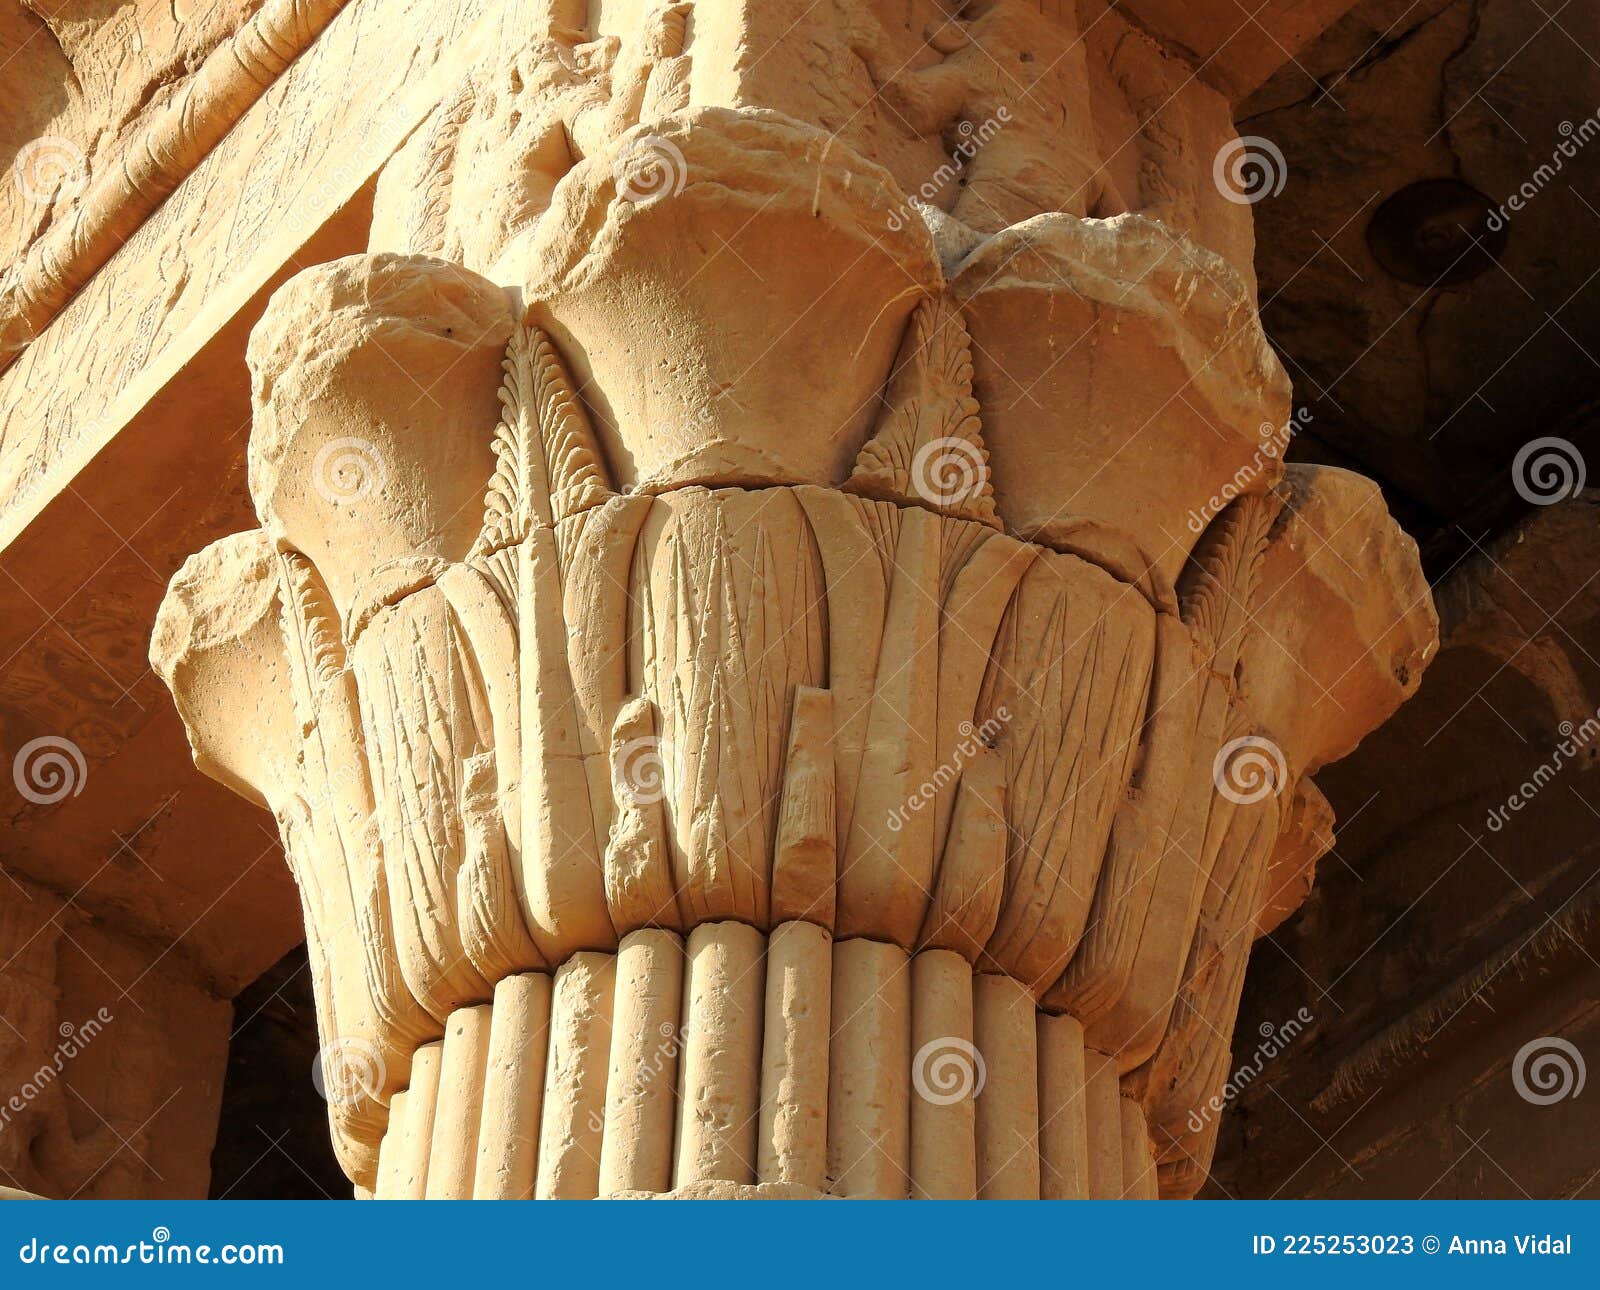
x: 646, y: 1038
x: 719, y: 1085
x: 513, y: 1089
x: 944, y: 1056
x: 793, y: 1143
x: 869, y: 1075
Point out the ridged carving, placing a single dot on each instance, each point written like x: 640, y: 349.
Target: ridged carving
x: 928, y: 449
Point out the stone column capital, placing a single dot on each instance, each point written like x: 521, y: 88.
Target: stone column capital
x: 727, y: 630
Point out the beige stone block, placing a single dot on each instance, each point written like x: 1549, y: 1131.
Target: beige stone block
x: 453, y: 1156
x: 944, y: 1078
x: 1104, y: 1119
x: 391, y: 1149
x: 1063, y: 1110
x: 674, y: 614
x: 719, y: 1086
x: 513, y: 1089
x: 411, y: 1180
x: 805, y: 858
x: 232, y: 226
x: 646, y: 1042
x: 1006, y: 1036
x: 869, y: 1076
x: 573, y: 1120
x: 793, y: 1142
x: 1138, y: 1156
